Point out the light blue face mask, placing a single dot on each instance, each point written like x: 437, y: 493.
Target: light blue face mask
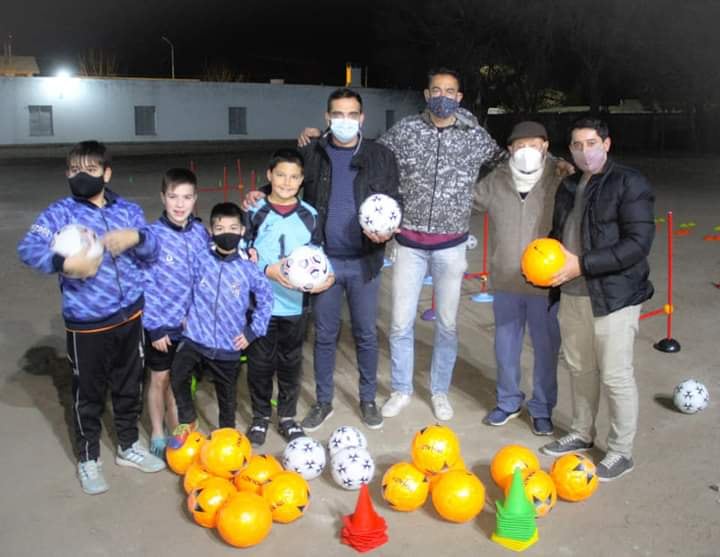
x: 344, y: 129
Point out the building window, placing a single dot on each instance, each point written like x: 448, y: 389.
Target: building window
x: 41, y: 120
x: 145, y: 120
x: 389, y: 119
x: 237, y: 120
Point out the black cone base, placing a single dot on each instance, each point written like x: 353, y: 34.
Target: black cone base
x: 669, y: 345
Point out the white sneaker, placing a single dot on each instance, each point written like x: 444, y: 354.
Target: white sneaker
x: 137, y: 456
x: 441, y: 407
x: 395, y: 404
x: 91, y: 477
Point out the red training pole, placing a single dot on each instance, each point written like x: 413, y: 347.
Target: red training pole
x: 225, y: 184
x: 253, y: 180
x: 670, y: 273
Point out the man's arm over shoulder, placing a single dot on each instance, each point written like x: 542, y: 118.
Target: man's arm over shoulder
x: 636, y: 224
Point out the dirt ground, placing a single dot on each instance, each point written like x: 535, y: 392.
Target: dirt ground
x: 667, y: 506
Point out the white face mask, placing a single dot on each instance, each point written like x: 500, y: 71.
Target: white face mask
x: 527, y: 159
x: 344, y: 129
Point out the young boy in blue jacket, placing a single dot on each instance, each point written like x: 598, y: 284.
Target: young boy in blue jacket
x: 218, y: 326
x: 102, y: 300
x: 168, y: 293
x: 280, y: 223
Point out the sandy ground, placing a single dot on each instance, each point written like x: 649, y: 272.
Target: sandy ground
x: 665, y: 507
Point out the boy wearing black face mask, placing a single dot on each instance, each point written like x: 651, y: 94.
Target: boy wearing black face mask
x: 102, y: 304
x: 218, y: 327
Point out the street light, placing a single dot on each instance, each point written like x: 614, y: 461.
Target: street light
x: 172, y: 54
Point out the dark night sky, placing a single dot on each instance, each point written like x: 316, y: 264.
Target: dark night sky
x: 304, y: 42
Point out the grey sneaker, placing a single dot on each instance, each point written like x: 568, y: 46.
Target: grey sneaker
x: 137, y: 456
x: 394, y: 405
x: 316, y: 416
x: 371, y: 416
x: 614, y: 466
x: 91, y: 477
x: 570, y: 443
x: 442, y: 408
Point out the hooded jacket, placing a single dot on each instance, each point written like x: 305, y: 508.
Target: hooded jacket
x: 438, y: 169
x: 168, y: 287
x: 115, y: 293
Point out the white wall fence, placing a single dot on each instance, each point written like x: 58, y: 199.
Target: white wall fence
x: 61, y: 110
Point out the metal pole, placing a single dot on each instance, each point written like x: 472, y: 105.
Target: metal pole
x: 172, y: 55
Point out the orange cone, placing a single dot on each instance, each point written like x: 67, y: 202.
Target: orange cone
x: 365, y: 529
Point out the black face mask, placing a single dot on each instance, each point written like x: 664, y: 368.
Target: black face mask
x: 84, y: 186
x: 227, y: 241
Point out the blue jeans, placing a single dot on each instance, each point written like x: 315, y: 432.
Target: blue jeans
x: 447, y: 267
x: 512, y: 313
x: 362, y: 300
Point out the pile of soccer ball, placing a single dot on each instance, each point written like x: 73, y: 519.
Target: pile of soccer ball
x: 572, y: 476
x: 351, y: 464
x: 437, y: 470
x: 231, y: 489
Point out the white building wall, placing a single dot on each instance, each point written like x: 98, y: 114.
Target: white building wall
x: 185, y: 110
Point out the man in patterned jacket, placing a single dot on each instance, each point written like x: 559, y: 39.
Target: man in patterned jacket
x: 439, y: 154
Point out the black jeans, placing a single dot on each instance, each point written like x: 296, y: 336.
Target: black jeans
x: 98, y: 359
x: 224, y: 374
x: 279, y: 351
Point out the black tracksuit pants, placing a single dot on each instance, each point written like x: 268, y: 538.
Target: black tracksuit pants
x: 223, y: 373
x: 279, y: 351
x: 111, y: 358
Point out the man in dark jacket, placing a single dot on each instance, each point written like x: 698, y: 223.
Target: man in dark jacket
x: 604, y: 216
x: 342, y: 169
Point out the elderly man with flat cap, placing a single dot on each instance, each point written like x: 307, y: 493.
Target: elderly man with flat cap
x: 518, y: 197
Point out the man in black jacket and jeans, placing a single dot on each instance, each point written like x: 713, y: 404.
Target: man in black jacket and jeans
x: 342, y: 169
x: 604, y: 216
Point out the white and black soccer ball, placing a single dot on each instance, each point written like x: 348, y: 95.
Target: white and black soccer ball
x: 72, y: 238
x: 691, y: 396
x: 471, y: 242
x: 380, y: 214
x: 352, y: 467
x: 306, y: 267
x: 346, y: 436
x: 306, y: 456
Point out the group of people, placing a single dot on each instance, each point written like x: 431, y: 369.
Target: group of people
x: 202, y: 299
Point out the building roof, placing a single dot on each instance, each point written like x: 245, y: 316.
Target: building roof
x: 23, y: 66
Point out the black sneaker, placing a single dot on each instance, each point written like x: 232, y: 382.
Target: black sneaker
x: 614, y: 466
x: 257, y: 431
x: 570, y: 443
x: 371, y: 416
x: 290, y: 429
x: 316, y: 416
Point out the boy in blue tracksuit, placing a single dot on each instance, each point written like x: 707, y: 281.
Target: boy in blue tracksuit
x: 218, y: 326
x: 102, y: 300
x: 168, y: 293
x: 280, y: 223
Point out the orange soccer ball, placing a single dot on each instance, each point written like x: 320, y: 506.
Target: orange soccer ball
x: 179, y: 460
x: 435, y: 449
x: 226, y: 453
x: 405, y: 487
x: 257, y: 473
x: 287, y: 495
x: 434, y: 478
x: 541, y: 259
x: 540, y: 490
x: 575, y: 477
x: 459, y: 496
x: 507, y: 459
x: 205, y: 500
x: 245, y: 520
x: 194, y: 476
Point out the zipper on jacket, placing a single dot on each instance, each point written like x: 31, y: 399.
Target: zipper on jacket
x: 217, y: 296
x: 437, y: 165
x: 112, y: 257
